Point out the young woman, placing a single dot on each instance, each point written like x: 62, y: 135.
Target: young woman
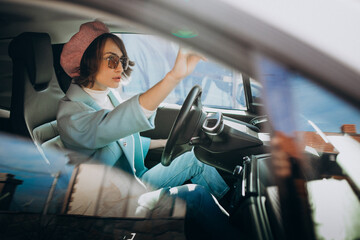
x: 91, y: 119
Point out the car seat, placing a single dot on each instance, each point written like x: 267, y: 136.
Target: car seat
x: 35, y: 91
x: 64, y: 80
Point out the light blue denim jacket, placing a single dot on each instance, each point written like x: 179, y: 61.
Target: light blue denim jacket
x: 104, y: 135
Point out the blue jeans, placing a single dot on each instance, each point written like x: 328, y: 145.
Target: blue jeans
x: 183, y: 168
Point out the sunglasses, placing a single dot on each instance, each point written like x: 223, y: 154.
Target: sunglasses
x: 113, y: 62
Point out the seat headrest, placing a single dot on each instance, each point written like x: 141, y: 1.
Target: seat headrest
x: 35, y: 50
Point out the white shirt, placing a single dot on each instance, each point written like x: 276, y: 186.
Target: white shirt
x: 102, y: 99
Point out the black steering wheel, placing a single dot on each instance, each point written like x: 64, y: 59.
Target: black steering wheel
x: 184, y: 127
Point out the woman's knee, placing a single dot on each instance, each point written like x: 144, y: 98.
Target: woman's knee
x: 195, y: 162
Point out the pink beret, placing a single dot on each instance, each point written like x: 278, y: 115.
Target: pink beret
x: 74, y: 49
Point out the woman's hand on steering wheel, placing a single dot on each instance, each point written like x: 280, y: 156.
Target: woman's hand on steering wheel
x: 184, y: 126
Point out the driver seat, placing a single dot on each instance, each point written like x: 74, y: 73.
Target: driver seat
x: 35, y: 90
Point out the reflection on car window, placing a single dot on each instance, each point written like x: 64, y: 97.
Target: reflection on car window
x: 326, y: 128
x: 154, y: 57
x: 27, y: 177
x: 327, y: 111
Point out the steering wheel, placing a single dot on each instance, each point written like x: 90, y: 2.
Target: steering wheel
x: 183, y: 127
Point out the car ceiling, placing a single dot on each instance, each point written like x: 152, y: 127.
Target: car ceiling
x: 23, y: 16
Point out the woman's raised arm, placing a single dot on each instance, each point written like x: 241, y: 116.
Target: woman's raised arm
x: 184, y: 65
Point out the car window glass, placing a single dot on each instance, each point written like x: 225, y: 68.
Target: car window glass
x: 325, y: 129
x: 154, y: 57
x: 27, y: 176
x: 256, y: 90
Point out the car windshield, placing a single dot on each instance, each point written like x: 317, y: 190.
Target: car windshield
x: 154, y: 57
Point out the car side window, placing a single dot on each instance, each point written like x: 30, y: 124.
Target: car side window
x: 154, y: 57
